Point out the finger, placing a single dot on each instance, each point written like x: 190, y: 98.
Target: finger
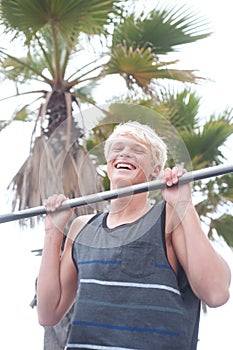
x: 48, y: 203
x: 181, y: 172
x: 168, y: 176
x: 54, y: 202
x: 59, y: 200
x: 51, y: 205
x: 174, y: 174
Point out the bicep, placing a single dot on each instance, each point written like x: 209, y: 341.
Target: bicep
x: 68, y: 270
x: 175, y: 241
x: 179, y: 247
x: 68, y: 279
x: 175, y: 228
x: 179, y: 244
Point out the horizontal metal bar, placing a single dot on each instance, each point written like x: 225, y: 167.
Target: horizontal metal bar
x: 121, y: 192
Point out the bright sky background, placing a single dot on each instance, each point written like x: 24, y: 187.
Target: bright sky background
x: 18, y: 267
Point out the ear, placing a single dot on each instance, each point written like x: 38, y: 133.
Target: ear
x: 155, y: 172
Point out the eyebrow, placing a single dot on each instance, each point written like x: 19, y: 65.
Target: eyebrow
x: 131, y: 143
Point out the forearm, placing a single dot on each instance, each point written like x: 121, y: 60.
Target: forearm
x: 208, y: 273
x: 48, y: 284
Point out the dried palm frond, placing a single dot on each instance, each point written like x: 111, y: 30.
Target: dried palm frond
x: 80, y: 178
x: 45, y: 173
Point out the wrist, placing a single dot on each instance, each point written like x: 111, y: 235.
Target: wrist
x: 183, y: 203
x: 52, y: 230
x: 53, y: 238
x: 182, y: 207
x: 53, y: 227
x: 53, y: 234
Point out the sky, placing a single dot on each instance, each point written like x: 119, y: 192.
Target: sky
x: 19, y: 267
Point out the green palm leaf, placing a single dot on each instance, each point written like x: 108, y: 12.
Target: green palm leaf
x: 225, y: 185
x: 23, y: 114
x: 136, y: 66
x: 140, y: 66
x: 204, y: 144
x: 182, y: 108
x: 138, y: 41
x: 21, y: 70
x: 162, y: 30
x: 223, y: 226
x: 69, y: 17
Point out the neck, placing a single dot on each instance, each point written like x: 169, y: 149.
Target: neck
x: 128, y: 209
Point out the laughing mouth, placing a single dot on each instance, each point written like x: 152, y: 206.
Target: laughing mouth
x: 125, y: 166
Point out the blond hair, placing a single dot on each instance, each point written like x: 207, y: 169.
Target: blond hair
x: 143, y: 133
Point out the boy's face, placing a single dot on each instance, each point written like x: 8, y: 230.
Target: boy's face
x: 129, y: 162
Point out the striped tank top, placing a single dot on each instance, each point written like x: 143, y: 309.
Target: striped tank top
x: 129, y: 297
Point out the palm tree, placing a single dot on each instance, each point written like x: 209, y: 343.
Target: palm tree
x: 54, y: 34
x: 71, y: 46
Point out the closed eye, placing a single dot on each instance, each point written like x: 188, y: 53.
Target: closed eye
x: 116, y: 149
x: 139, y: 150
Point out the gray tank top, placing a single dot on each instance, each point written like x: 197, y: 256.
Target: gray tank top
x: 129, y: 298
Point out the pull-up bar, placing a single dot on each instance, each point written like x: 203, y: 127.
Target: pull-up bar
x: 121, y: 192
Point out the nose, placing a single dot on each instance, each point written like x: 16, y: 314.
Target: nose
x: 125, y: 152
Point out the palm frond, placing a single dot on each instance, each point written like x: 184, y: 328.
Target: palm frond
x: 184, y: 76
x: 22, y: 69
x: 134, y: 65
x: 26, y: 181
x: 85, y: 93
x: 139, y: 66
x: 23, y: 114
x: 162, y: 30
x: 68, y: 16
x: 182, y: 108
x: 204, y: 144
x: 45, y: 173
x: 3, y: 124
x: 223, y: 226
x: 225, y: 187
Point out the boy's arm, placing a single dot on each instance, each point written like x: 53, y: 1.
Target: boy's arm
x: 57, y: 280
x: 207, y: 272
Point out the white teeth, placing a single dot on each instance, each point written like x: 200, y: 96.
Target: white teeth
x: 125, y: 166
